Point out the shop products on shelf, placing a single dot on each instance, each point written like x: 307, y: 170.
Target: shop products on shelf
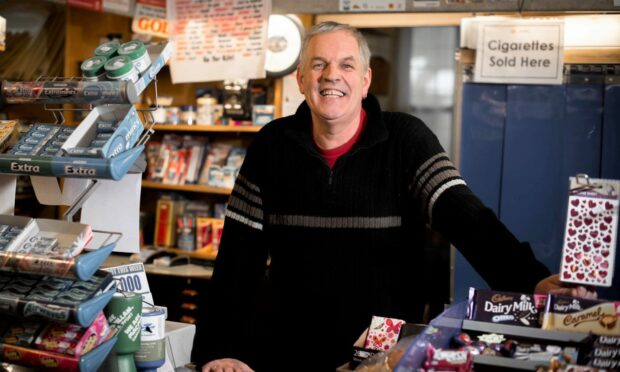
x: 51, y: 247
x: 8, y: 133
x: 185, y: 160
x: 222, y: 165
x: 574, y: 314
x: 58, y: 299
x: 54, y: 346
x: 72, y: 339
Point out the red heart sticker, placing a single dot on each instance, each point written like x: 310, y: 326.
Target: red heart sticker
x: 568, y: 259
x: 605, y: 253
x: 573, y: 213
x: 607, y: 239
x: 588, y: 221
x: 586, y: 248
x: 586, y: 262
x: 607, y: 219
x: 603, y: 273
x: 575, y: 202
x: 598, y: 258
x: 602, y: 226
x: 566, y: 275
x: 578, y: 255
x: 608, y: 206
x: 594, y: 234
x: 591, y: 204
x: 577, y: 223
x: 582, y: 237
x: 605, y: 264
x: 572, y: 232
x: 571, y: 245
x: 580, y: 276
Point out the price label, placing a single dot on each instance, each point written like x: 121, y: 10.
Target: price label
x: 132, y: 278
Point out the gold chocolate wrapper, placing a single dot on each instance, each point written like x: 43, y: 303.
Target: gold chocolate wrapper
x: 570, y: 315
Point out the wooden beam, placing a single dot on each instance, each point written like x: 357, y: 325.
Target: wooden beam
x: 374, y: 20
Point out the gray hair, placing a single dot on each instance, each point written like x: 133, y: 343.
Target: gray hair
x: 329, y: 26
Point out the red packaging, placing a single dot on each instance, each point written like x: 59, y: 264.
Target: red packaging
x: 447, y: 360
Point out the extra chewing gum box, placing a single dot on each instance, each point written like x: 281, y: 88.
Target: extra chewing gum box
x: 502, y: 308
x: 566, y: 313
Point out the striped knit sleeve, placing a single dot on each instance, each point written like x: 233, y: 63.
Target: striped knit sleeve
x: 453, y: 210
x: 432, y: 178
x: 245, y: 204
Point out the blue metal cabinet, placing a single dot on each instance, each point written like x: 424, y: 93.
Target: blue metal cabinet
x: 518, y: 150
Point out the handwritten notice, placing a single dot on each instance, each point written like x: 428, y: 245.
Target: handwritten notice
x: 218, y: 39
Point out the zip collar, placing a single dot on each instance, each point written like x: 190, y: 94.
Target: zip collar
x: 299, y: 129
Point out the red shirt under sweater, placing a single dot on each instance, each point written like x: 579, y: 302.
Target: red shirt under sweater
x: 332, y: 155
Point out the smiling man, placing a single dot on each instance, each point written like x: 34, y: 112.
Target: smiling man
x: 338, y: 196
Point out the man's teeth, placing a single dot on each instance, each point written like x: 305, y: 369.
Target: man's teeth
x: 332, y: 93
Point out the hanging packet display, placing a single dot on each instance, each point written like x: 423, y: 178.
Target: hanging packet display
x: 589, y: 247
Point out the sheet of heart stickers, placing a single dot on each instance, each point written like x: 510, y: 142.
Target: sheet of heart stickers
x: 590, y: 235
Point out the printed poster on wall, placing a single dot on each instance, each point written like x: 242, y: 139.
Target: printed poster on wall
x: 150, y: 18
x: 218, y: 39
x: 372, y: 5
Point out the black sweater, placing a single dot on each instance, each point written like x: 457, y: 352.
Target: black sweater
x: 344, y: 243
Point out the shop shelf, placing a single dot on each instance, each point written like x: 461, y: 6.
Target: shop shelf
x: 50, y: 361
x: 73, y: 90
x: 72, y: 167
x: 57, y: 299
x: 67, y: 259
x: 525, y: 332
x: 190, y: 188
x: 207, y: 128
x: 493, y: 362
x: 202, y: 254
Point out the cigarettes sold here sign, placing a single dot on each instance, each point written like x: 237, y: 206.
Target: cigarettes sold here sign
x: 521, y: 51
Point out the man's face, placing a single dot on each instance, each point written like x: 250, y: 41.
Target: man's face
x: 333, y: 79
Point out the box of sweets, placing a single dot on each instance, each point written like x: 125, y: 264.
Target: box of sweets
x: 502, y: 307
x: 72, y: 339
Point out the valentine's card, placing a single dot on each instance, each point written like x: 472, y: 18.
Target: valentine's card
x: 383, y: 333
x: 591, y: 229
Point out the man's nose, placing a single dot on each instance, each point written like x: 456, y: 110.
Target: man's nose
x: 331, y: 73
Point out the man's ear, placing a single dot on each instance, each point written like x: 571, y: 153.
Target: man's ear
x: 300, y: 84
x: 366, y: 82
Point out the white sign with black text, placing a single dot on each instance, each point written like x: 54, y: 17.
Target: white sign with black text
x: 132, y: 278
x: 520, y: 51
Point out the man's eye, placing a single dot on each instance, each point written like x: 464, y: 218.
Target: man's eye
x: 318, y: 66
x: 348, y: 67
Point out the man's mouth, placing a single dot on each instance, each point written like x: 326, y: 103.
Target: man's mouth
x: 331, y: 93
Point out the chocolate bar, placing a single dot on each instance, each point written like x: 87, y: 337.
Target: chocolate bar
x: 575, y: 314
x: 607, y: 341
x: 502, y: 307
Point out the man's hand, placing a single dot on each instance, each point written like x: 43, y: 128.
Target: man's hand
x: 226, y: 365
x: 552, y: 284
